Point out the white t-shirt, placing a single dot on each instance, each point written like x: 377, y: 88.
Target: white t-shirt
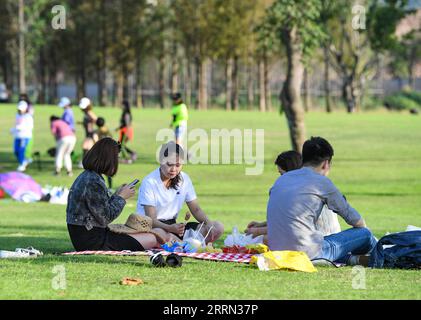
x: 24, y: 126
x: 167, y: 202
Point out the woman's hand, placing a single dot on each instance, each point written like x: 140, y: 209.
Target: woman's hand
x: 125, y: 191
x: 177, y: 228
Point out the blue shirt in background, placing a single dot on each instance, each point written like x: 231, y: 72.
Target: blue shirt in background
x: 69, y: 118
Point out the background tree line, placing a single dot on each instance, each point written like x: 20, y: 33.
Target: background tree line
x: 208, y: 49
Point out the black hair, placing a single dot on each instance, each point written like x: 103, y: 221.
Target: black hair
x: 54, y: 118
x: 126, y: 106
x: 100, y: 122
x: 167, y: 150
x: 176, y: 97
x: 289, y: 160
x: 316, y: 150
x: 102, y: 158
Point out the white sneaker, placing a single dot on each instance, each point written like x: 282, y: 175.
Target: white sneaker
x: 21, y: 253
x: 21, y: 168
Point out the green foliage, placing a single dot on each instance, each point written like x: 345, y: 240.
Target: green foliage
x: 299, y: 15
x: 403, y: 101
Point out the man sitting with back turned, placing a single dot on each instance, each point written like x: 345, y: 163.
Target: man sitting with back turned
x: 296, y: 201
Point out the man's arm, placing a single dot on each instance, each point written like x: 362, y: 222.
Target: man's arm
x: 336, y: 202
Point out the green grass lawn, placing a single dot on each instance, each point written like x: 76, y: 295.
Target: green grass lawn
x: 376, y: 165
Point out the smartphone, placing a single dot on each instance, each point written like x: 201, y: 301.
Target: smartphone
x: 133, y: 183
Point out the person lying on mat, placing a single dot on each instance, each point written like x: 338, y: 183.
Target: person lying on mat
x: 295, y: 202
x: 91, y: 207
x: 163, y: 192
x: 327, y: 222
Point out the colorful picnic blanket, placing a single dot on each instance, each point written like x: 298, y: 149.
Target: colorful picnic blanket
x: 229, y: 257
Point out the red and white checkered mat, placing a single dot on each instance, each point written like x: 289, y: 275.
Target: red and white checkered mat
x: 228, y: 257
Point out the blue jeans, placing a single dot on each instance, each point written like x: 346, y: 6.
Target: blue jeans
x: 20, y: 146
x: 339, y: 246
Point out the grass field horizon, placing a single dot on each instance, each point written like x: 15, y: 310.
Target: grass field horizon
x: 376, y: 165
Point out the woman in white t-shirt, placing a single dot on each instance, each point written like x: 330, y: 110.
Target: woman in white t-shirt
x: 163, y: 193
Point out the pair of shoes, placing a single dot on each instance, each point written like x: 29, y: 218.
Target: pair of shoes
x: 173, y: 260
x: 21, y: 253
x: 21, y: 168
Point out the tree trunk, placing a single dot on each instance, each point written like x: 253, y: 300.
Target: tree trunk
x: 250, y: 84
x: 120, y: 89
x: 307, y: 100
x: 291, y: 92
x: 262, y: 90
x: 268, y: 92
x: 235, y: 86
x: 175, y: 68
x: 42, y: 93
x: 203, y: 84
x: 349, y: 94
x: 22, y: 52
x: 228, y: 85
x: 161, y: 81
x: 187, y: 81
x: 52, y: 77
x: 138, y: 102
x: 326, y: 79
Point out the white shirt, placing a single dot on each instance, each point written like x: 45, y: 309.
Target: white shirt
x: 167, y: 202
x: 24, y: 126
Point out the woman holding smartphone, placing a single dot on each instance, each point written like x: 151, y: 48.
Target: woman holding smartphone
x: 91, y: 207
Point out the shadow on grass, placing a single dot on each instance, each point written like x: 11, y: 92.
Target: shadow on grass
x: 44, y: 244
x: 38, y: 228
x: 9, y: 163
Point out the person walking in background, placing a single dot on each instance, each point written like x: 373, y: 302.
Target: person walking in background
x: 102, y: 130
x: 66, y: 140
x: 30, y: 110
x: 67, y: 116
x: 88, y: 123
x: 180, y: 117
x: 23, y: 134
x: 126, y: 133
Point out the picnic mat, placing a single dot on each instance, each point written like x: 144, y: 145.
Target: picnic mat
x: 228, y: 257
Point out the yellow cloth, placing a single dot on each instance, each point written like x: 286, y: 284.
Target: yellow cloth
x: 278, y: 260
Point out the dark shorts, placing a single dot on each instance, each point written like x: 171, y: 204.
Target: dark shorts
x: 189, y: 225
x: 101, y: 239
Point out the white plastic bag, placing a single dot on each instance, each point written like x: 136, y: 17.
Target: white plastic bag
x: 241, y: 239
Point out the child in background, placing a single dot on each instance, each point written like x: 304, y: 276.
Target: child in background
x: 102, y: 130
x: 23, y: 134
x: 126, y: 133
x: 67, y: 116
x: 66, y: 141
x: 30, y: 110
x: 180, y: 116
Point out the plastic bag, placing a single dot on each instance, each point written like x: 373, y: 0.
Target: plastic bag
x: 241, y: 239
x: 286, y: 260
x: 194, y: 239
